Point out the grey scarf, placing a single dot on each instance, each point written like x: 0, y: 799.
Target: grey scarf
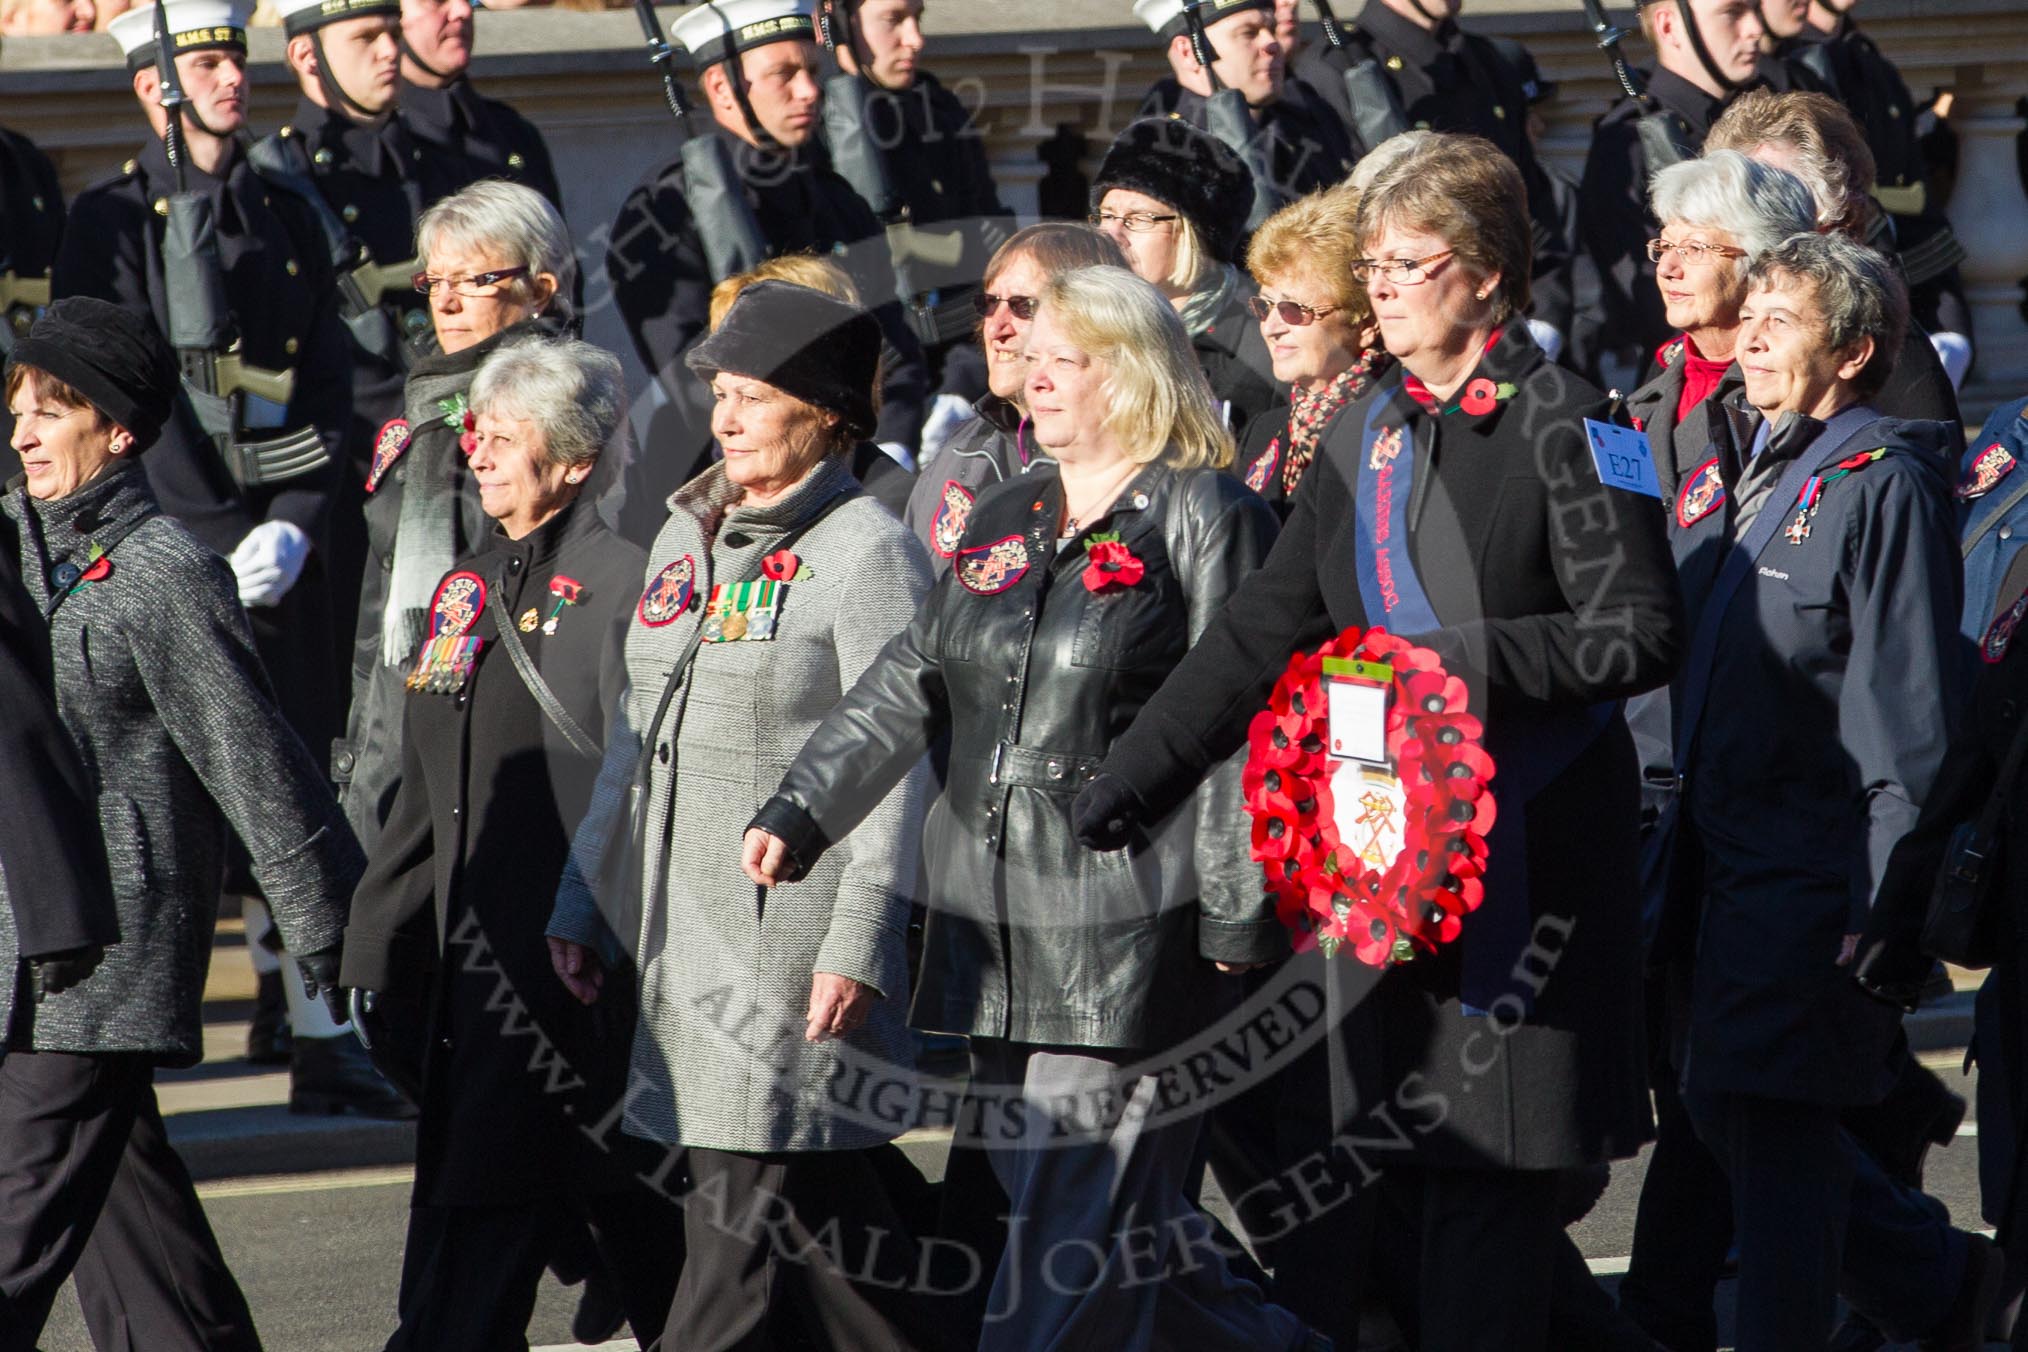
x: 1204, y: 305
x: 426, y: 537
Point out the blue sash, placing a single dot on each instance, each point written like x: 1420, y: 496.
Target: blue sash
x: 1388, y: 585
x: 1528, y: 752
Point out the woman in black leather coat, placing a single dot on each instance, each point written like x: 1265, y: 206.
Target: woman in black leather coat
x: 1071, y: 596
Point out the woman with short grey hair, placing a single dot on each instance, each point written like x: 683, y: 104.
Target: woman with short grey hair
x: 497, y: 269
x: 1718, y: 214
x: 505, y: 711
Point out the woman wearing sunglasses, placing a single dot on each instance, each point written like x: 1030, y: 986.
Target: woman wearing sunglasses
x: 1459, y: 506
x: 1176, y: 200
x: 1318, y: 326
x: 992, y: 444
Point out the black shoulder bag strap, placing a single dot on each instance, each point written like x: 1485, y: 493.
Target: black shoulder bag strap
x: 524, y: 666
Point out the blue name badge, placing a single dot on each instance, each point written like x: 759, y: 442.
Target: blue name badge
x: 1621, y: 455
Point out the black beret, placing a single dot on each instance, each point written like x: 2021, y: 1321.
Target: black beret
x: 110, y: 355
x: 814, y: 346
x: 1193, y: 171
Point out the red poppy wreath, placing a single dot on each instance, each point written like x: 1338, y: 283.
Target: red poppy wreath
x: 1392, y: 870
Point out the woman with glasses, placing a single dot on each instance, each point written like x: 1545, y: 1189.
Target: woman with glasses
x: 1459, y: 505
x: 993, y: 444
x: 1176, y: 200
x: 1718, y: 214
x: 1318, y: 327
x: 497, y: 269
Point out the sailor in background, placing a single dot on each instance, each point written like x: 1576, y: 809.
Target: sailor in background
x: 759, y: 69
x: 249, y: 461
x: 1823, y: 40
x: 1307, y: 146
x: 1706, y: 51
x: 31, y: 223
x: 923, y: 154
x: 1438, y: 76
x: 349, y: 139
x: 480, y: 137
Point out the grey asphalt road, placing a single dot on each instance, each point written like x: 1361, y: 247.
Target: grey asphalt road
x: 319, y: 1255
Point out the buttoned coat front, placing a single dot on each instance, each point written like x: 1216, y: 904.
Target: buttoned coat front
x: 719, y: 1058
x: 158, y: 682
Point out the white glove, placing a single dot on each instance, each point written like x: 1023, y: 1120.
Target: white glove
x: 268, y: 562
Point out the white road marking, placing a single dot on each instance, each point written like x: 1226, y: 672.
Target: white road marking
x: 623, y: 1345
x: 385, y: 1177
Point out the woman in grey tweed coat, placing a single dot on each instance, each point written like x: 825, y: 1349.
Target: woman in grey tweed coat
x: 771, y: 587
x: 158, y: 683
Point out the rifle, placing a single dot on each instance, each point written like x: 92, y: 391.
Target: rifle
x: 1227, y: 118
x: 227, y: 392
x: 712, y: 190
x: 1654, y: 126
x: 1377, y: 113
x: 848, y: 101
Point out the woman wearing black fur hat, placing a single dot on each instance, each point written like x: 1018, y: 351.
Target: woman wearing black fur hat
x: 159, y: 684
x: 1176, y: 200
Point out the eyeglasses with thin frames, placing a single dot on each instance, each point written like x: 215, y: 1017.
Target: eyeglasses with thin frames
x: 1133, y: 222
x: 1400, y: 271
x: 478, y: 286
x: 1693, y: 253
x: 1292, y: 312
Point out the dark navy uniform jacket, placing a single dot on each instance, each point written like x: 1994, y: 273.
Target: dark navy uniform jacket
x: 1992, y: 498
x: 1309, y: 146
x: 378, y: 180
x: 474, y: 137
x: 1808, y: 728
x: 935, y: 155
x: 279, y: 284
x: 656, y: 267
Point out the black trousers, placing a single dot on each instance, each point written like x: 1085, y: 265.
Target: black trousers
x: 793, y: 1251
x: 1467, y: 1259
x: 469, y: 1274
x: 1682, y: 1229
x: 90, y: 1187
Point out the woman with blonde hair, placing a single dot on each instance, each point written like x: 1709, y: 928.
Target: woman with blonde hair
x: 1067, y: 969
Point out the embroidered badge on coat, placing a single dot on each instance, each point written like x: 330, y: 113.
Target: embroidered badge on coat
x: 947, y: 527
x: 388, y: 445
x: 456, y: 606
x: 1994, y: 646
x: 1994, y: 464
x: 1386, y: 446
x: 1703, y: 493
x: 669, y: 593
x: 993, y: 568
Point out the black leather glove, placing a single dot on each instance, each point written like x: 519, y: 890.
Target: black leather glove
x: 1106, y: 813
x: 56, y: 973
x: 320, y: 979
x: 1891, y: 972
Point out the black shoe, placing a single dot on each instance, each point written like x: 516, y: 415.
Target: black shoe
x: 599, y: 1311
x: 1857, y: 1334
x: 330, y: 1075
x: 1964, y: 1328
x: 268, y: 1038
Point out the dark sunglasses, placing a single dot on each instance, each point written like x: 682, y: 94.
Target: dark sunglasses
x: 985, y: 302
x: 1291, y: 311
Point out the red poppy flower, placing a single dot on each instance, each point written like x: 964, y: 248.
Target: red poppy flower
x: 566, y: 589
x: 1109, y: 564
x: 101, y: 569
x: 1482, y: 396
x: 470, y: 421
x: 780, y: 566
x: 468, y: 443
x: 1855, y: 461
